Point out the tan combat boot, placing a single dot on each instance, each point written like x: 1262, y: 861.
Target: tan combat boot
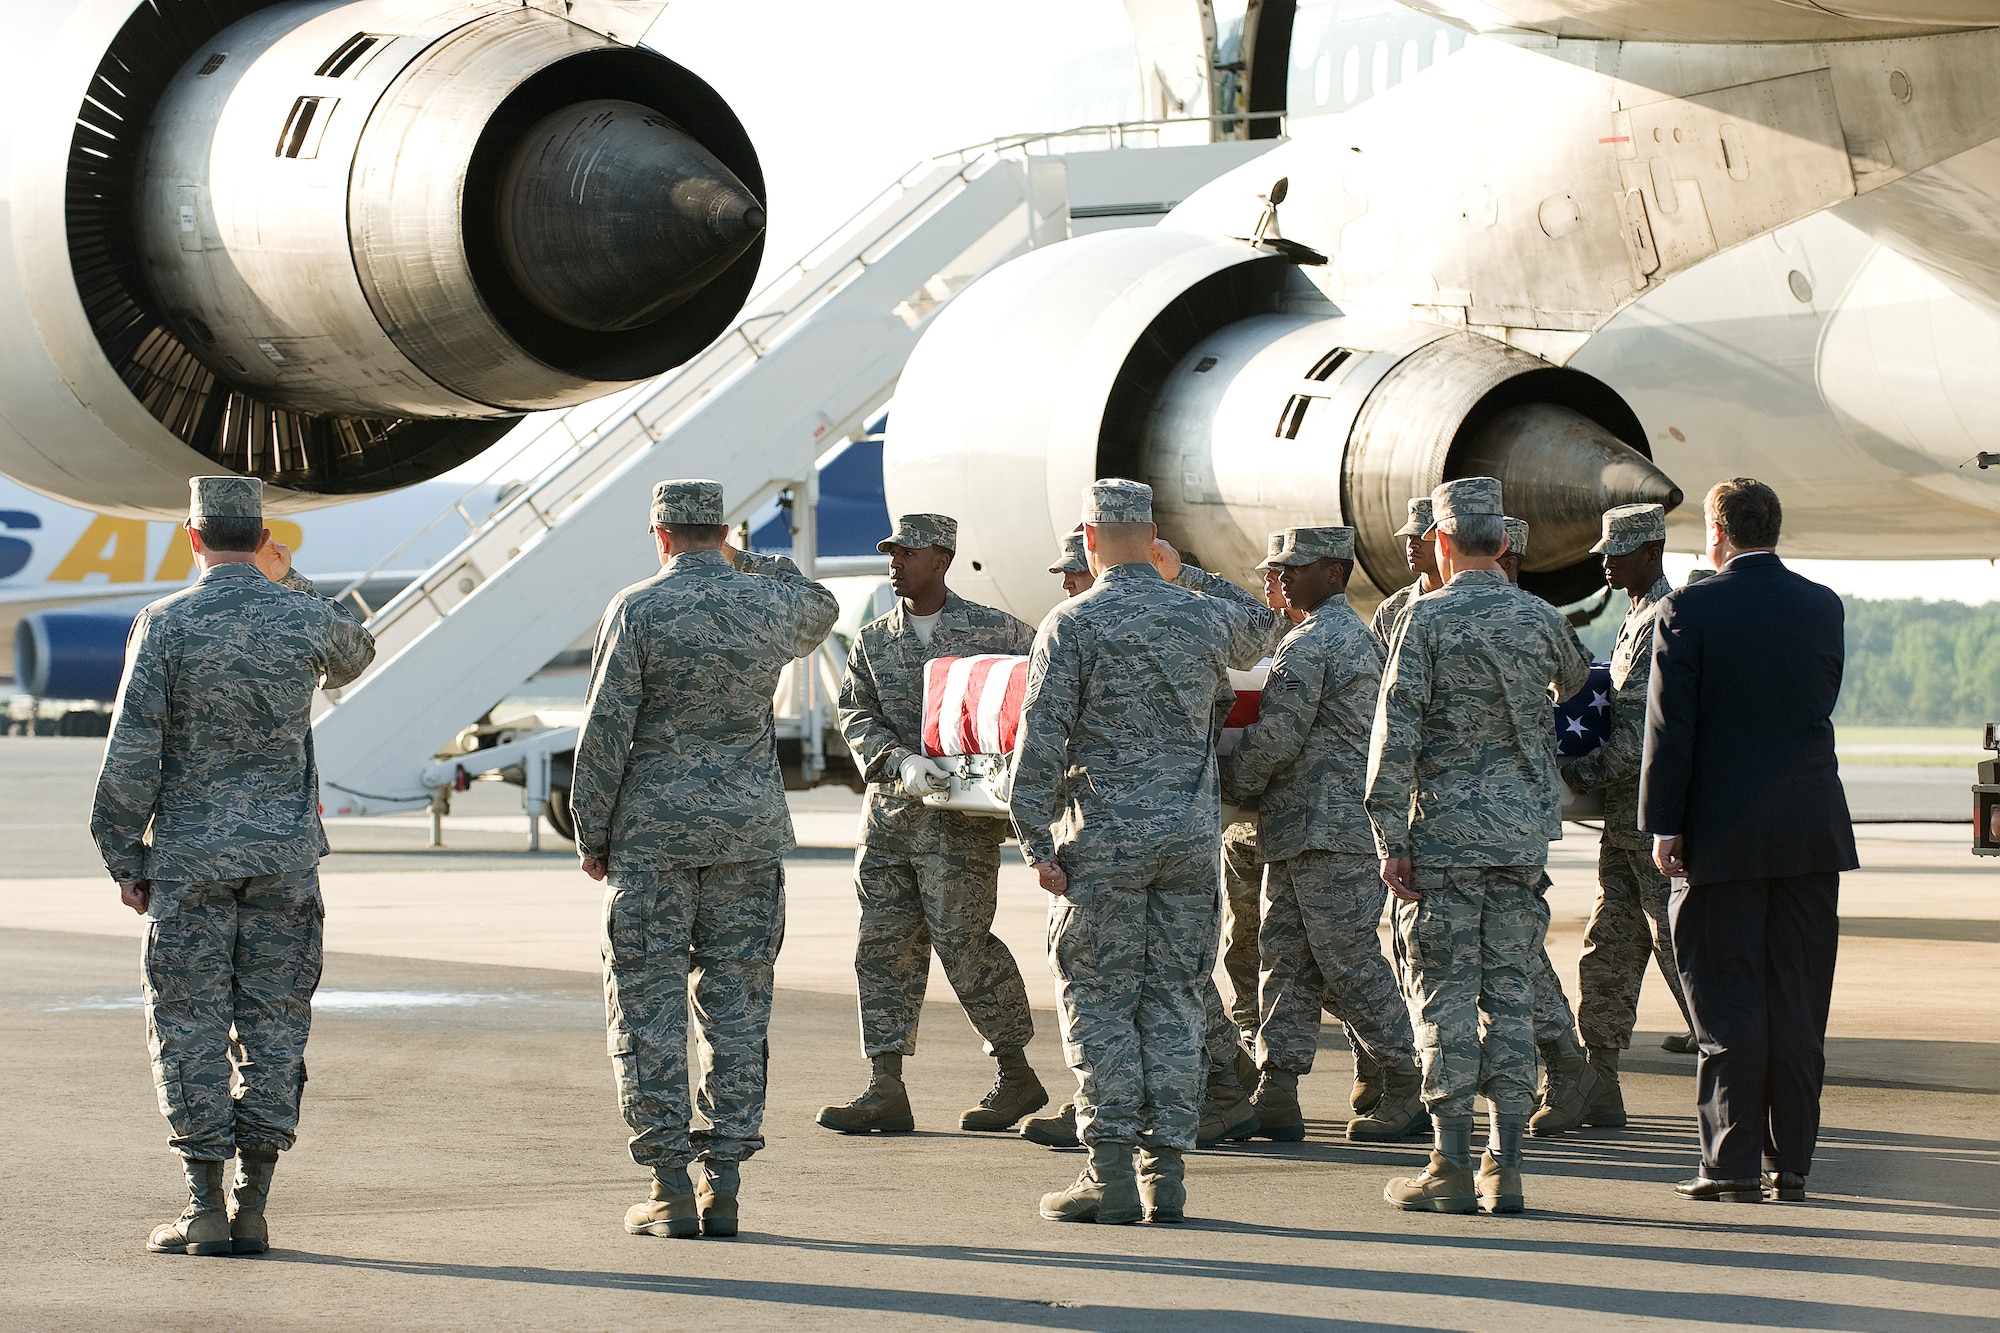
x: 1053, y: 1131
x: 1226, y: 1111
x: 1398, y: 1112
x: 203, y: 1226
x: 670, y: 1212
x: 716, y: 1194
x: 1107, y: 1191
x: 1163, y: 1184
x: 1499, y: 1183
x: 248, y: 1232
x: 1369, y: 1082
x: 1279, y: 1118
x: 1016, y: 1093
x: 1446, y: 1185
x: 1573, y: 1086
x: 883, y: 1108
x: 1608, y: 1110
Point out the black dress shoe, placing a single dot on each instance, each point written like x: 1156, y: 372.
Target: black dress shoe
x: 1704, y: 1190
x: 1785, y: 1186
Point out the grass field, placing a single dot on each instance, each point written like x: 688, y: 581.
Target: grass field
x: 1909, y: 747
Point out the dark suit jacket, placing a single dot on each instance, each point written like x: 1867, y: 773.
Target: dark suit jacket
x: 1739, y: 732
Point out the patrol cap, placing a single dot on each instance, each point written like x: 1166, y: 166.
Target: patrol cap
x: 1273, y: 546
x: 1071, y: 560
x: 1420, y: 519
x: 916, y: 531
x: 1517, y: 537
x: 1302, y: 546
x: 687, y: 500
x: 1628, y: 527
x: 1463, y: 498
x: 225, y: 497
x: 1116, y: 500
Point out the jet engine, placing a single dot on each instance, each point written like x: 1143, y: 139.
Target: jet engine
x: 345, y: 246
x: 1213, y: 371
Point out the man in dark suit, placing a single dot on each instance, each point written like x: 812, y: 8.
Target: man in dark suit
x: 1741, y: 792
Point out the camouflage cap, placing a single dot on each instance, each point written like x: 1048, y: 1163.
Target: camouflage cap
x: 1462, y: 498
x: 1302, y: 546
x: 1517, y: 537
x: 1420, y: 519
x: 1071, y: 560
x: 687, y: 500
x: 1628, y: 527
x: 1273, y: 546
x: 916, y: 531
x: 225, y: 497
x: 1116, y: 500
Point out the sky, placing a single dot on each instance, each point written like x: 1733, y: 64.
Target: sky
x: 841, y: 99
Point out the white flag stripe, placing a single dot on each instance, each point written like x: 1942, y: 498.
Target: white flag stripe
x: 991, y: 697
x: 951, y: 712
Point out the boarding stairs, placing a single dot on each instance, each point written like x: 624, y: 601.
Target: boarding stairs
x: 817, y: 356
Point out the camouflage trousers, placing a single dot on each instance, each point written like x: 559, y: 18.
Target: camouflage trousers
x: 700, y: 937
x: 1469, y: 942
x: 911, y: 904
x: 1242, y: 878
x: 1554, y: 1019
x: 230, y: 968
x: 1628, y: 925
x: 1132, y: 944
x: 1321, y: 910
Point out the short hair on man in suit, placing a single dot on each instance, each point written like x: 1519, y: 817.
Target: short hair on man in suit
x: 1747, y: 511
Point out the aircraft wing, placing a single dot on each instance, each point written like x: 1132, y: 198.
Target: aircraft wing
x: 1717, y: 20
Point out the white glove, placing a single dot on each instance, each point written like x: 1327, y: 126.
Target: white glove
x: 921, y: 776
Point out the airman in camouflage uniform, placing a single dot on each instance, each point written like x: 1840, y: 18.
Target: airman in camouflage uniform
x: 1071, y: 564
x: 1116, y: 805
x: 1569, y: 1083
x: 1462, y: 794
x: 926, y: 877
x: 1628, y: 924
x: 1420, y: 550
x: 207, y: 815
x: 680, y: 808
x: 1305, y: 757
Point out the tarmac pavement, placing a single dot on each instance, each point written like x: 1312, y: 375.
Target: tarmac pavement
x: 462, y: 1163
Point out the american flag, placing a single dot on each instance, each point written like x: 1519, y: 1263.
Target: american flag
x: 972, y: 705
x: 1583, y: 721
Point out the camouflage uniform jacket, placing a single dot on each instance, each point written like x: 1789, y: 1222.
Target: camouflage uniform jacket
x: 677, y: 764
x: 1462, y: 761
x: 1389, y: 611
x: 211, y: 744
x: 1214, y: 585
x: 1308, y: 750
x: 1614, y: 765
x: 1118, y: 727
x: 882, y: 717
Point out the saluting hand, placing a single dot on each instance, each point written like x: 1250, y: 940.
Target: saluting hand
x: 1401, y: 877
x: 274, y: 558
x: 1053, y: 877
x: 1165, y: 559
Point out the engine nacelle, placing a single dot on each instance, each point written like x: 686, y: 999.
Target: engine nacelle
x: 1215, y: 373
x: 344, y: 246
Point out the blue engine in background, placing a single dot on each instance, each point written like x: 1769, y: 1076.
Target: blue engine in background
x: 70, y: 654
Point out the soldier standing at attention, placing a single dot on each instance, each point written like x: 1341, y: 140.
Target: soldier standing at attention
x: 926, y: 878
x: 1071, y: 564
x: 680, y: 808
x: 1305, y: 756
x: 1628, y: 924
x: 1420, y: 550
x: 1569, y: 1082
x: 1462, y: 794
x: 211, y: 754
x: 1116, y: 805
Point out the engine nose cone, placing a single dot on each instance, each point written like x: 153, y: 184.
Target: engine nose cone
x: 1560, y: 471
x: 611, y: 216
